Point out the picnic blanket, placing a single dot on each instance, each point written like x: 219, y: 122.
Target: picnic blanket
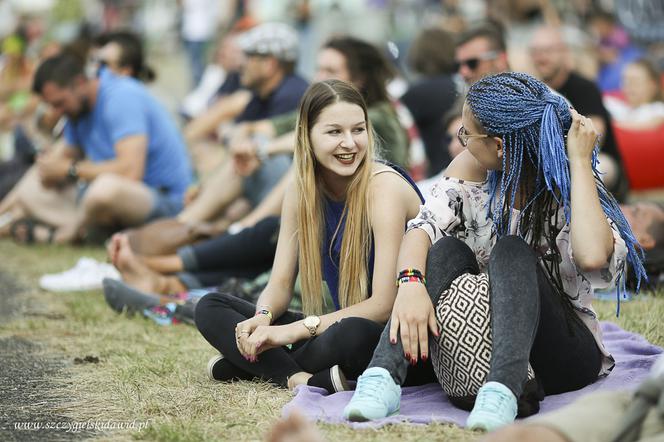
x: 427, y: 403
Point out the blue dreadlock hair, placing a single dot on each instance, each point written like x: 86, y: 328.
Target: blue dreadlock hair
x: 533, y: 121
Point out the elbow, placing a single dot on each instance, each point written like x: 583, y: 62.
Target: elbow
x: 593, y: 262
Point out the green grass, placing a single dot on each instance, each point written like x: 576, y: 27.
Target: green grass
x: 157, y: 374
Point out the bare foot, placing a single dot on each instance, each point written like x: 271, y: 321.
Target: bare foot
x: 294, y: 428
x: 299, y: 378
x: 134, y: 272
x: 113, y: 247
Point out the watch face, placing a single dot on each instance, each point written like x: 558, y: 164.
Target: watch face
x: 311, y: 321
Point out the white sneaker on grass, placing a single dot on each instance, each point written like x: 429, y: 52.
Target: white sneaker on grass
x: 376, y: 396
x: 87, y: 274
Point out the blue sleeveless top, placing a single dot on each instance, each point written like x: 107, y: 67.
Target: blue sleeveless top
x: 330, y: 255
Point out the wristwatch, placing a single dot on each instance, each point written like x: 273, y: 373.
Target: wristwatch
x: 312, y: 323
x: 72, y: 172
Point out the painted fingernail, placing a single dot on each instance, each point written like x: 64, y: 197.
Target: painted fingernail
x: 408, y: 356
x: 393, y: 341
x: 424, y: 358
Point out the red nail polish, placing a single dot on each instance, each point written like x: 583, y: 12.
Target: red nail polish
x: 424, y: 358
x: 393, y: 341
x: 408, y: 356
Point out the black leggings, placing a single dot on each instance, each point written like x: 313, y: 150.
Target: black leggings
x: 246, y: 254
x: 528, y: 319
x: 348, y: 343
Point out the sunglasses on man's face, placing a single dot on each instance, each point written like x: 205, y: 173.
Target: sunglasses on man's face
x: 473, y: 63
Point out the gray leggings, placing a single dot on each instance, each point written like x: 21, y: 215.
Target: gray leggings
x: 529, y: 321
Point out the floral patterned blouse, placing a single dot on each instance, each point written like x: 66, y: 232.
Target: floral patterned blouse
x: 459, y: 208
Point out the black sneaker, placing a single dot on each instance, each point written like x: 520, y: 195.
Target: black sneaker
x: 220, y: 369
x: 121, y: 297
x: 331, y: 379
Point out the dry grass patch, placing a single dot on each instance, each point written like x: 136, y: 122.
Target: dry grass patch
x: 157, y: 374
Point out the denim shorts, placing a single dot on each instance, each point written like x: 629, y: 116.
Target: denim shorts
x: 265, y: 178
x: 164, y: 205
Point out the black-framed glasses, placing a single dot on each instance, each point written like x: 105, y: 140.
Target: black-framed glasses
x: 472, y: 63
x: 464, y: 136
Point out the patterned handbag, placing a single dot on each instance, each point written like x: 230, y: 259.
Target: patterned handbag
x: 461, y: 355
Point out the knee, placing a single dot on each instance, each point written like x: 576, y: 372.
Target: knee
x: 510, y: 248
x: 102, y: 193
x: 448, y: 248
x: 205, y: 313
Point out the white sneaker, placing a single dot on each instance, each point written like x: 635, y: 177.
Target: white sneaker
x: 87, y: 274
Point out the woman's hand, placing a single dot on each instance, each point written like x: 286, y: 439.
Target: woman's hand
x: 581, y: 138
x: 245, y: 328
x: 265, y: 337
x: 413, y: 313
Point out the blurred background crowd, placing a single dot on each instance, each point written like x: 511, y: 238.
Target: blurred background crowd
x: 231, y: 73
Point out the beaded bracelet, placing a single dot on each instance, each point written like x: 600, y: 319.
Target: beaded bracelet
x: 410, y: 272
x: 265, y: 312
x: 412, y: 278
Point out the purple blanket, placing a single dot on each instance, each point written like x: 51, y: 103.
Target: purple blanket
x: 634, y: 357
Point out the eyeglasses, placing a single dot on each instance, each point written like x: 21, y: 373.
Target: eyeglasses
x: 472, y: 63
x: 463, y: 136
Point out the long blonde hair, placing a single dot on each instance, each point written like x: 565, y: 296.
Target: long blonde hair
x: 356, y: 241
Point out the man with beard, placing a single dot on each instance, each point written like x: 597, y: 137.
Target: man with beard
x: 552, y: 61
x: 123, y: 161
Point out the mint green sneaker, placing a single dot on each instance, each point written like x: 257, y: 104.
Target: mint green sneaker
x: 495, y: 407
x: 376, y: 396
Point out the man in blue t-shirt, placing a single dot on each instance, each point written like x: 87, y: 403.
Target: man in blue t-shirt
x: 119, y: 142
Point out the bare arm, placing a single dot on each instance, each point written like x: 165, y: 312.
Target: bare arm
x: 272, y: 204
x: 278, y: 292
x: 394, y: 202
x: 282, y: 144
x: 129, y: 161
x: 590, y: 234
x: 224, y: 109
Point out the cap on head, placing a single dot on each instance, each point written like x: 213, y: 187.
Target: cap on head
x: 276, y: 39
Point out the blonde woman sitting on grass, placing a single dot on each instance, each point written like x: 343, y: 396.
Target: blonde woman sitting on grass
x: 342, y: 222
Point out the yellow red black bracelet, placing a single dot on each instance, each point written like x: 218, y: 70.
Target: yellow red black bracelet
x: 413, y: 278
x: 265, y: 312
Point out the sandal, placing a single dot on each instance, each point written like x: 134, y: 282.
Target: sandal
x: 23, y: 231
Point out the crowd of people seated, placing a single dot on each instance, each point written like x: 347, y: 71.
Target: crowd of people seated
x: 274, y: 211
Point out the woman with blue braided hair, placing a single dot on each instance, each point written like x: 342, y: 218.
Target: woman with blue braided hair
x: 512, y: 242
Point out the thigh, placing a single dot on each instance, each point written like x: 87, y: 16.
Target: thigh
x: 349, y: 343
x: 216, y: 302
x: 253, y: 247
x: 128, y: 202
x: 56, y: 207
x: 564, y: 355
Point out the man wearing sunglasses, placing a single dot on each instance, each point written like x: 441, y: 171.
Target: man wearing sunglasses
x: 480, y: 51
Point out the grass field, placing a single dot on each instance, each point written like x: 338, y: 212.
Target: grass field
x: 153, y: 374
